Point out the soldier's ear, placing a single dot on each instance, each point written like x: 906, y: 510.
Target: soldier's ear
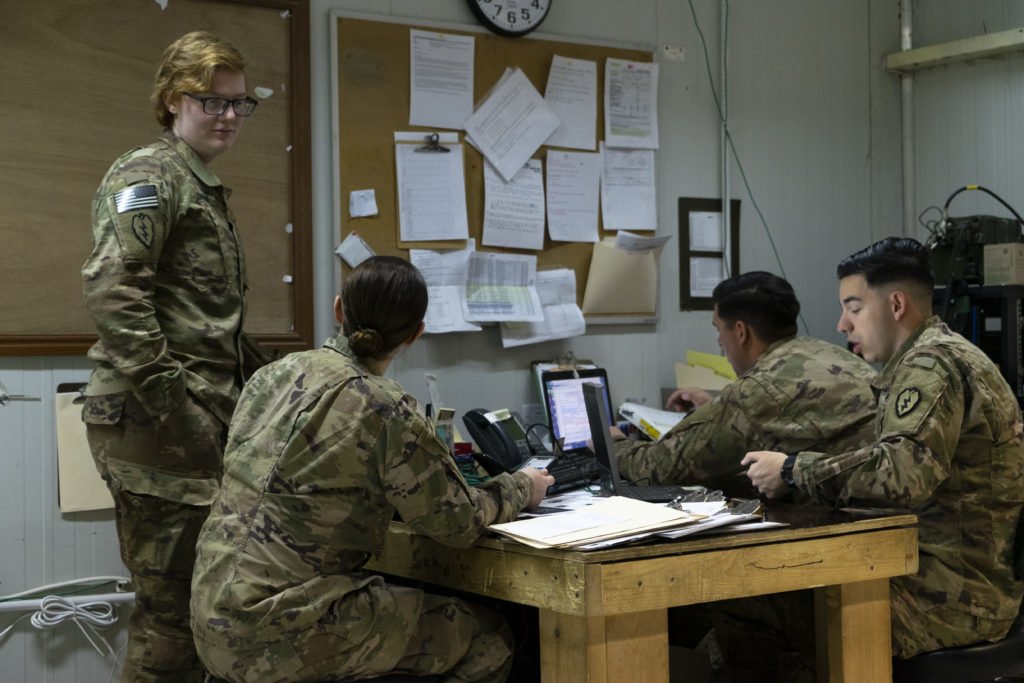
x: 898, y: 304
x: 339, y: 314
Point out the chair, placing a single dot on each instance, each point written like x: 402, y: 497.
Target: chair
x: 980, y: 663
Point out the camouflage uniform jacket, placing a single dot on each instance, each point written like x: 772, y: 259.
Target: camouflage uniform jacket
x: 949, y: 449
x: 165, y: 283
x: 321, y: 454
x: 802, y: 393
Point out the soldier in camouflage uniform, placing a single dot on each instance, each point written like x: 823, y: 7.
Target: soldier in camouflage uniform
x: 165, y: 285
x: 322, y: 452
x: 948, y: 448
x: 793, y: 393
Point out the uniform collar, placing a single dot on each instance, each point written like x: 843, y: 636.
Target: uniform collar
x: 192, y: 159
x: 884, y: 378
x: 769, y: 353
x: 339, y: 344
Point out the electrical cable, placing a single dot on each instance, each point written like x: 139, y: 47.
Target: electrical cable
x: 735, y: 154
x: 92, y: 581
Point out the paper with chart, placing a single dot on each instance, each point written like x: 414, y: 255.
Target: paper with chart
x: 511, y: 123
x: 630, y: 104
x: 440, y: 79
x: 502, y: 287
x: 445, y: 271
x: 571, y: 92
x: 562, y: 316
x: 628, y: 200
x: 514, y: 210
x: 431, y: 191
x: 706, y: 231
x: 574, y: 186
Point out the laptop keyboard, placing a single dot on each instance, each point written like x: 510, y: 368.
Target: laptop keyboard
x: 654, y: 494
x: 572, y: 470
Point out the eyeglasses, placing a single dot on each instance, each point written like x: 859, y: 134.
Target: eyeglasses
x: 216, y: 106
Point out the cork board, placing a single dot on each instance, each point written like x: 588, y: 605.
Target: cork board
x: 373, y: 103
x: 77, y: 79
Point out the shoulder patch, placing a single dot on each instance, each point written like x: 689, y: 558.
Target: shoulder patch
x: 907, y: 401
x: 923, y: 361
x: 136, y: 197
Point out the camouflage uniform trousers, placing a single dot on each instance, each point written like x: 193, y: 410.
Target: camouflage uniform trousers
x: 449, y: 636
x: 157, y: 535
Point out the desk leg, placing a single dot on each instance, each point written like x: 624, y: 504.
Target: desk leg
x: 854, y: 632
x: 626, y: 647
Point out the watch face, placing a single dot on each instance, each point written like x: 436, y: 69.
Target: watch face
x: 510, y: 17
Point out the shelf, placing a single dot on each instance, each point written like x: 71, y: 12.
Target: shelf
x: 977, y: 47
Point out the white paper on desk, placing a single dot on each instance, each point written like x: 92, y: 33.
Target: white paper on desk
x: 440, y: 79
x: 502, y: 287
x: 511, y: 123
x: 630, y: 104
x: 353, y: 250
x: 705, y: 274
x: 574, y: 182
x: 571, y: 93
x: 562, y: 316
x: 514, y: 210
x: 637, y: 243
x: 431, y: 191
x: 628, y: 200
x: 445, y: 271
x: 706, y: 231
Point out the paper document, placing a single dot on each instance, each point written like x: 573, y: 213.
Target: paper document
x: 621, y: 281
x: 628, y: 200
x: 353, y: 250
x: 630, y: 104
x: 609, y: 518
x: 502, y: 287
x: 514, y: 211
x: 706, y: 273
x: 630, y: 242
x: 706, y: 231
x: 562, y: 316
x: 362, y: 203
x: 714, y: 362
x: 574, y: 185
x: 653, y: 422
x: 79, y: 485
x: 698, y: 376
x: 431, y: 192
x: 571, y: 93
x: 440, y: 79
x: 511, y: 123
x: 445, y: 275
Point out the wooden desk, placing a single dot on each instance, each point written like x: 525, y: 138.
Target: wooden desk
x: 603, y: 614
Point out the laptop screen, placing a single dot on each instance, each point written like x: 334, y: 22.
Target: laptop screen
x: 563, y: 399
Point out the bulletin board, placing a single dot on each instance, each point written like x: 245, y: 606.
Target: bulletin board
x: 373, y: 103
x: 77, y: 80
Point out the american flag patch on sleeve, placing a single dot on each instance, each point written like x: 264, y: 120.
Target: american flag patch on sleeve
x: 136, y: 197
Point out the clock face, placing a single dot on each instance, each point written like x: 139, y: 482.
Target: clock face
x: 510, y: 17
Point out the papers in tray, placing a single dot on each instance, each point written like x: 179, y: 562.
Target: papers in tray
x: 607, y: 519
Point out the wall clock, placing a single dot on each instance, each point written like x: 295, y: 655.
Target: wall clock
x: 510, y: 17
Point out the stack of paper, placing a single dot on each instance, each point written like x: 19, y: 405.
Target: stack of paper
x: 608, y: 519
x: 653, y: 422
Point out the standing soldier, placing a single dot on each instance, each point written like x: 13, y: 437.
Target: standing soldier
x: 323, y: 452
x: 165, y: 286
x: 948, y: 448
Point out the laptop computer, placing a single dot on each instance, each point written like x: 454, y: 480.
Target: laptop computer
x: 611, y: 482
x: 574, y: 465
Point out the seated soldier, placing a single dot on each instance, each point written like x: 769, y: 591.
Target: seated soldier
x: 322, y: 451
x: 948, y: 448
x: 797, y: 393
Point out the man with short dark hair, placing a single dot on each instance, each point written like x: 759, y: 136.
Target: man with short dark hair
x: 792, y: 393
x: 948, y: 448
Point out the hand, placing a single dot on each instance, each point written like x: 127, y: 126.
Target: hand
x: 541, y: 480
x: 765, y: 471
x: 616, y: 433
x: 686, y: 399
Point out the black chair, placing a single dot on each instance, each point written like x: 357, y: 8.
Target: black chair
x: 980, y: 663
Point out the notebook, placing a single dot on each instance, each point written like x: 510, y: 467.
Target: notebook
x: 611, y: 482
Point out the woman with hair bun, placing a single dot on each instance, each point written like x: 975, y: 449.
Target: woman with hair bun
x: 322, y: 452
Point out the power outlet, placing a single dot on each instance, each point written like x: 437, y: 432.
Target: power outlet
x: 673, y: 53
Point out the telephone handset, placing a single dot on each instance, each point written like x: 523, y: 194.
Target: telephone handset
x: 500, y: 437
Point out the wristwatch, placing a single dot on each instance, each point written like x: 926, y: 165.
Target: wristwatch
x: 787, y: 471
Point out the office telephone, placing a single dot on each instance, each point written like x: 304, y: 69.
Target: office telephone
x: 501, y: 439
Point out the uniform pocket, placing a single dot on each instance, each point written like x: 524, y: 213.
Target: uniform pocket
x: 104, y: 410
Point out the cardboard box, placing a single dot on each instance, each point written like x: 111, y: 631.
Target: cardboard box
x: 1004, y: 264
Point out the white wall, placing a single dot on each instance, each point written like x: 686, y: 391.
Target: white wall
x: 815, y: 122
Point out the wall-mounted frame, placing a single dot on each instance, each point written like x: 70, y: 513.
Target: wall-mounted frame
x: 704, y: 245
x: 103, y: 73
